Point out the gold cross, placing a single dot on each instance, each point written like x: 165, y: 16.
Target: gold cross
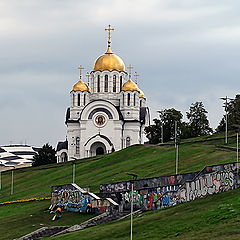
x: 88, y: 76
x: 136, y: 77
x: 109, y: 29
x: 80, y: 69
x: 130, y: 67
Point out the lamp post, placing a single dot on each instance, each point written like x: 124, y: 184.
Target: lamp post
x: 177, y: 156
x: 161, y: 126
x: 12, y: 184
x: 131, y: 223
x: 225, y: 99
x: 74, y: 172
x: 238, y: 130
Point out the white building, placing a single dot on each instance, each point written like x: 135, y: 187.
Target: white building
x: 107, y: 114
x: 16, y: 156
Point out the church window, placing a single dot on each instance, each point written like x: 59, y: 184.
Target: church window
x: 79, y: 99
x: 128, y: 99
x: 98, y: 84
x: 77, y: 145
x: 84, y: 99
x: 140, y: 103
x: 120, y: 83
x: 73, y: 98
x: 134, y: 99
x: 127, y: 141
x: 114, y: 83
x: 106, y: 83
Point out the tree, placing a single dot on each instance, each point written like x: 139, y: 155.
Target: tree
x: 233, y: 110
x: 198, y: 121
x: 45, y: 155
x: 167, y: 121
x: 153, y: 132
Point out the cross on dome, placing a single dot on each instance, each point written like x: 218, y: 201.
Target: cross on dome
x: 130, y: 67
x: 80, y: 70
x: 109, y: 29
x: 136, y: 75
x: 88, y: 76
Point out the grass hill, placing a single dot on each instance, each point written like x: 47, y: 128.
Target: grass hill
x: 146, y: 161
x: 215, y: 217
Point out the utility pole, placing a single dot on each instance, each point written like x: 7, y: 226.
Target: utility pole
x: 225, y: 99
x: 131, y: 223
x: 74, y: 172
x: 177, y: 157
x: 175, y: 134
x: 237, y: 145
x: 12, y: 184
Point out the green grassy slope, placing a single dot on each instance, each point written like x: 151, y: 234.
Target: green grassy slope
x: 215, y: 217
x: 22, y: 218
x: 146, y: 161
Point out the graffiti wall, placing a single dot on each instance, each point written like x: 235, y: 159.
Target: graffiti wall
x: 209, y: 184
x: 147, y: 183
x: 177, y: 189
x: 71, y: 198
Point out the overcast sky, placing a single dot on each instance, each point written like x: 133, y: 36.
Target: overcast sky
x: 184, y: 50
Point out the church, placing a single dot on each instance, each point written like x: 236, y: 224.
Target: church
x: 106, y: 114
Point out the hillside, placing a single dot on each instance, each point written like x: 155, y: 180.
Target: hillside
x: 146, y: 161
x: 215, y: 217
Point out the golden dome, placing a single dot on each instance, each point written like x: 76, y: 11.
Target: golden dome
x: 141, y: 94
x: 130, y: 86
x: 109, y: 61
x: 81, y: 86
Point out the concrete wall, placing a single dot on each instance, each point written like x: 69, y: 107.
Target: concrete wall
x: 156, y: 193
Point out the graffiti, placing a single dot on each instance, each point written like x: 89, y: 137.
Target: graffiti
x: 147, y: 183
x: 71, y: 200
x: 209, y: 184
x: 150, y: 199
x: 161, y: 192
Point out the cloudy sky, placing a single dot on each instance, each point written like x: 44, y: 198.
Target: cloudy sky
x: 184, y: 50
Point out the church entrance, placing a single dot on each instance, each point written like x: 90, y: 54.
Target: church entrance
x: 97, y: 148
x: 99, y: 151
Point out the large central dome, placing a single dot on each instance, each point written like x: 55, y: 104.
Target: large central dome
x: 109, y: 61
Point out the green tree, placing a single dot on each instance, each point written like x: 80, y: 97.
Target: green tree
x: 198, y: 121
x: 233, y: 110
x: 167, y: 121
x: 45, y: 155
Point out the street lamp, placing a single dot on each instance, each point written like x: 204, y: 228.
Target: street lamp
x: 226, y: 116
x: 161, y: 127
x: 238, y: 129
x: 177, y: 156
x: 131, y: 225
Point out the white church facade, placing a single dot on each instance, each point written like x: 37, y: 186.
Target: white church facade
x: 106, y: 114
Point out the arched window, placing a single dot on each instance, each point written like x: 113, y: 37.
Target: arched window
x: 128, y: 99
x: 77, y: 145
x: 134, y: 99
x: 140, y: 103
x: 79, y: 99
x: 127, y: 141
x: 73, y: 99
x: 120, y: 83
x: 106, y: 83
x: 114, y: 83
x: 84, y: 99
x: 98, y: 83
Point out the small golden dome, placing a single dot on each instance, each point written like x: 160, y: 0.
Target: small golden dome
x: 130, y: 86
x: 141, y: 94
x: 81, y: 86
x: 109, y: 61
